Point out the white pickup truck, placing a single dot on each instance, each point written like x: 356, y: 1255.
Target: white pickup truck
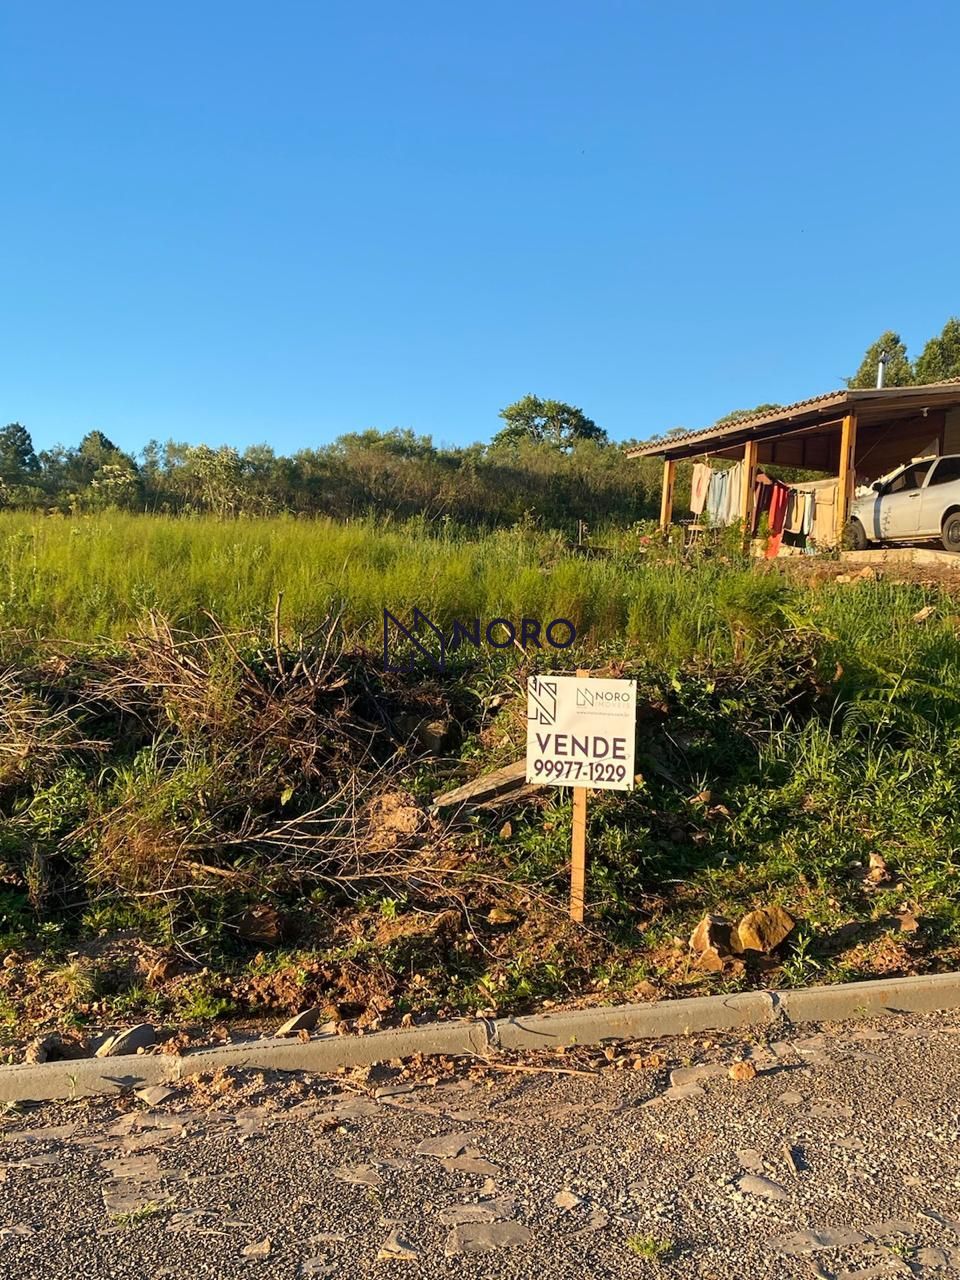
x: 918, y: 501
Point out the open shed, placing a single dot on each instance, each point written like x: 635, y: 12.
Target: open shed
x: 855, y: 435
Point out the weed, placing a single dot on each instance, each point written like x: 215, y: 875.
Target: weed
x: 646, y: 1245
x: 799, y: 967
x: 138, y: 1215
x: 198, y: 1000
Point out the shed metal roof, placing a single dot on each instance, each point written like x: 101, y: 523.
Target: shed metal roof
x: 872, y: 405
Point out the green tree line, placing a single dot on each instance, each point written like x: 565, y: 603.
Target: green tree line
x: 549, y: 462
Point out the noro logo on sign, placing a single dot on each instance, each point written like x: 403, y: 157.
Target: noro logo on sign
x: 589, y: 698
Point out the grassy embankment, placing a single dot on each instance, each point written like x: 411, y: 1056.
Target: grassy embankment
x: 196, y: 828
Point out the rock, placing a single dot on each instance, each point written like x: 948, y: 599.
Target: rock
x: 849, y: 1143
x: 479, y: 1237
x: 128, y: 1041
x: 43, y: 1048
x: 305, y: 1020
x: 710, y: 961
x: 713, y: 933
x: 869, y: 573
x: 259, y: 1250
x: 878, y: 873
x: 810, y: 1239
x: 750, y: 1160
x: 677, y: 1093
x: 446, y: 1146
x: 891, y: 1227
x: 499, y: 915
x: 935, y: 1256
x: 394, y: 1249
x: 891, y: 1267
x: 652, y: 1062
x: 471, y: 1164
x: 765, y: 929
x: 742, y: 1071
x: 154, y: 1094
x: 433, y: 734
x: 491, y: 1210
x: 781, y: 1049
x: 597, y: 1220
x: 755, y: 1185
x: 566, y: 1200
x: 680, y: 1076
x: 358, y: 1175
x: 262, y: 923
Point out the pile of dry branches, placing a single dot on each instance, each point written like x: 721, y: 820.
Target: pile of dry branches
x: 221, y: 761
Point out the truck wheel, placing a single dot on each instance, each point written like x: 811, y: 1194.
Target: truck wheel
x: 856, y: 537
x: 950, y: 533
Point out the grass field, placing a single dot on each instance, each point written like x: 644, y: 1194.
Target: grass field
x: 175, y: 839
x: 91, y: 578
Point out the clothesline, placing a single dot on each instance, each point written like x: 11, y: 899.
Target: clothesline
x: 788, y: 509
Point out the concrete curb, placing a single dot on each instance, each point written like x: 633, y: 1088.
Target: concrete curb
x: 90, y: 1076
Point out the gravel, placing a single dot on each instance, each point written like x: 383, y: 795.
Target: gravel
x: 816, y: 1167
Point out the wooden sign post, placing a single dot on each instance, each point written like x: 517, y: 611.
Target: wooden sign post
x: 581, y: 732
x: 578, y: 846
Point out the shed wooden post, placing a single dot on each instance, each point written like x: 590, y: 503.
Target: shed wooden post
x: 847, y: 480
x: 666, y: 494
x: 747, y: 482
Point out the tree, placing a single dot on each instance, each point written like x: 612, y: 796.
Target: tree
x: 18, y: 462
x: 940, y: 358
x: 547, y: 422
x: 738, y: 415
x: 898, y: 371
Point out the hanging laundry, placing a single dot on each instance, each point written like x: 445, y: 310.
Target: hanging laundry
x: 699, y: 484
x: 810, y: 502
x: 793, y: 521
x: 734, y: 485
x: 716, y: 503
x: 777, y: 515
x: 762, y: 488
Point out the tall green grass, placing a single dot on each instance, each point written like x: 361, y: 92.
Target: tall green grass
x: 94, y: 578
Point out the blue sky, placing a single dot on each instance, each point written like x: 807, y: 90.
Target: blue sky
x: 239, y: 222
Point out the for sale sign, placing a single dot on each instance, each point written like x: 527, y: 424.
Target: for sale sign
x: 581, y: 731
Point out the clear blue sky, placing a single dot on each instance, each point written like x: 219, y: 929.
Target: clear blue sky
x: 240, y: 222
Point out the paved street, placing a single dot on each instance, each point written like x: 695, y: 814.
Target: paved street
x: 838, y: 1158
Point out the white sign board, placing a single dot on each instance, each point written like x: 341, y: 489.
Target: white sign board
x: 581, y: 731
